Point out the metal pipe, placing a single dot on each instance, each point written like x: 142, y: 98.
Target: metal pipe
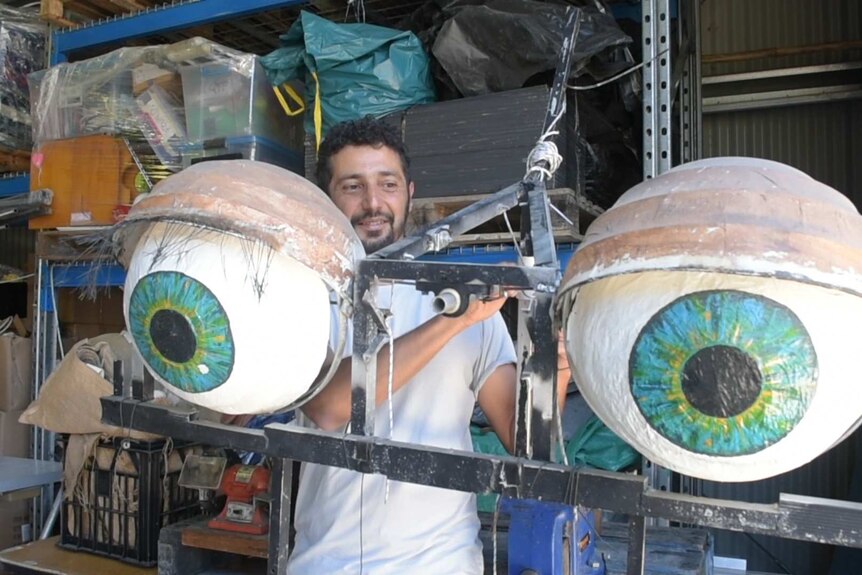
x: 447, y: 301
x: 52, y: 516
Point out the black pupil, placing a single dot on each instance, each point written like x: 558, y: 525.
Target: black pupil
x: 721, y: 381
x: 173, y: 336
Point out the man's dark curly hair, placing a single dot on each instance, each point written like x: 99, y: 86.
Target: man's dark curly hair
x: 366, y: 131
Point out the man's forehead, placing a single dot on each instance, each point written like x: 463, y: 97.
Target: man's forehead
x: 367, y: 160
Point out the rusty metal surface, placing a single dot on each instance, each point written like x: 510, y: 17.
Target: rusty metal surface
x: 257, y: 201
x: 735, y: 215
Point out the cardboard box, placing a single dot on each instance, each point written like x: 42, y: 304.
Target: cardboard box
x: 15, y: 438
x: 16, y: 372
x: 14, y: 523
x: 90, y: 177
x: 75, y: 332
x: 106, y: 308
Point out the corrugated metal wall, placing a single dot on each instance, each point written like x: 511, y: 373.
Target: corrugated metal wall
x: 731, y: 26
x: 824, y: 140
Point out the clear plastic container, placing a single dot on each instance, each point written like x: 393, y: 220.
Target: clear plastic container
x: 223, y: 101
x: 244, y: 147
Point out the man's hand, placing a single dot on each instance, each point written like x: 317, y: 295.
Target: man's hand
x: 564, y: 370
x: 480, y: 310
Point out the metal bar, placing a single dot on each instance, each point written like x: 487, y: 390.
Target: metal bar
x: 557, y: 97
x: 686, y: 92
x: 541, y: 279
x: 175, y: 16
x: 650, y: 49
x: 280, y: 510
x: 637, y: 546
x: 543, y: 250
x: 434, y: 239
x: 657, y: 123
x: 793, y: 517
x: 664, y: 87
x: 537, y: 376
x: 761, y: 100
x: 364, y: 362
x: 781, y: 72
x: 697, y: 83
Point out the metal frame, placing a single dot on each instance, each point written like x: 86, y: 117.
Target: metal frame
x: 657, y: 124
x: 150, y: 21
x: 793, y: 517
x: 50, y: 276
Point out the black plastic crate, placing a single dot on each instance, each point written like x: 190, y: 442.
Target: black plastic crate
x: 125, y: 494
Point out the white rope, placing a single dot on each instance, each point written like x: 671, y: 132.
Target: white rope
x: 544, y: 157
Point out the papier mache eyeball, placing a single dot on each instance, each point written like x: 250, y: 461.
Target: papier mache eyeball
x: 231, y: 266
x: 711, y: 318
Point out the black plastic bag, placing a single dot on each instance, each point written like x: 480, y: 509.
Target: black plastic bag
x: 499, y: 44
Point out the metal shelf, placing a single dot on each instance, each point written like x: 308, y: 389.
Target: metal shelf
x: 153, y: 21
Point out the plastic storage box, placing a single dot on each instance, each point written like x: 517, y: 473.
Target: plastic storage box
x: 126, y: 492
x: 225, y: 99
x: 244, y: 147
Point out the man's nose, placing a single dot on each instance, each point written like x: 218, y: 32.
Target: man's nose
x: 371, y: 199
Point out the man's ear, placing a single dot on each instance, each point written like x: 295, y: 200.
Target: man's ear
x: 410, y: 189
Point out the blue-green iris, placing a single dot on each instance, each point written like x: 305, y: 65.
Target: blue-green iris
x: 723, y: 372
x: 182, y: 331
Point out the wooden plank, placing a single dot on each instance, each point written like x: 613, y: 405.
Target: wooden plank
x: 70, y: 13
x: 70, y: 246
x: 45, y: 557
x: 53, y: 11
x: 202, y: 537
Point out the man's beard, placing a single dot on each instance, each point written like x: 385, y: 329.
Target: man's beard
x: 372, y: 244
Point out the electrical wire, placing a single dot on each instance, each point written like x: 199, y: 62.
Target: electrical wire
x: 615, y: 77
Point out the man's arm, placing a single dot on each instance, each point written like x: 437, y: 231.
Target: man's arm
x: 330, y: 409
x: 498, y: 396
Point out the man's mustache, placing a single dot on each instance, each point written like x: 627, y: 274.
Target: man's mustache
x: 368, y: 215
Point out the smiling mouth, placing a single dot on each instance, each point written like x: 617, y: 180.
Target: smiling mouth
x: 373, y: 225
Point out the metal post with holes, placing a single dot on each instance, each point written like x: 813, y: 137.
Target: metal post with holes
x: 656, y: 87
x: 657, y: 103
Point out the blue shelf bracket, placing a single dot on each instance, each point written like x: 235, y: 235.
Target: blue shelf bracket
x: 80, y: 276
x: 14, y: 185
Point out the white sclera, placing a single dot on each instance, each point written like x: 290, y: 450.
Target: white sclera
x: 280, y: 335
x: 609, y: 314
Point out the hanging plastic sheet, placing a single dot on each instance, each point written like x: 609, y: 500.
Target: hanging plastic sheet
x: 22, y: 51
x: 351, y: 70
x: 499, y: 44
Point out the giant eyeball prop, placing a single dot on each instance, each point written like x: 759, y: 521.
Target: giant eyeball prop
x: 231, y: 268
x: 710, y: 318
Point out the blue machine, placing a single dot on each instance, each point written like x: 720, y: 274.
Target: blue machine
x: 551, y: 539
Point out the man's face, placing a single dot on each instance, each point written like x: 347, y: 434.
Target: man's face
x: 369, y: 185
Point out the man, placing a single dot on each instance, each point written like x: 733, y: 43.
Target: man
x: 347, y: 522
